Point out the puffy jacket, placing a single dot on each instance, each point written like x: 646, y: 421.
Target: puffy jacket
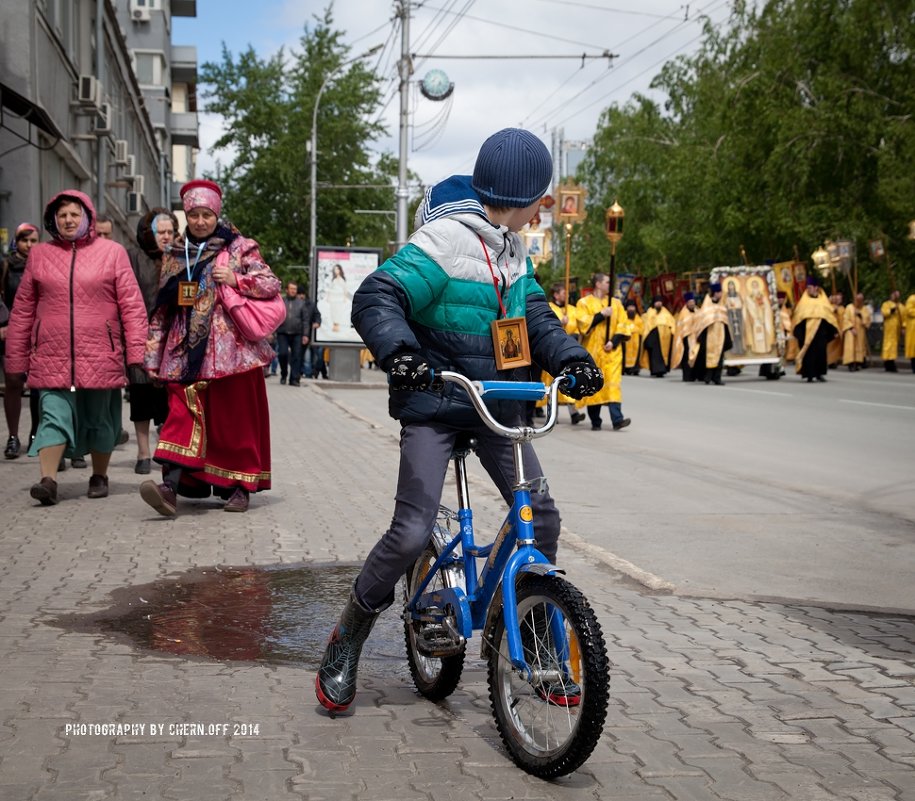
x: 436, y: 297
x: 79, y: 317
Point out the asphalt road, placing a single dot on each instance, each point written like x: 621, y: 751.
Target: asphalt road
x: 755, y: 490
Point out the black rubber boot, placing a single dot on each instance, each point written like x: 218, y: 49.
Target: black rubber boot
x: 335, y: 684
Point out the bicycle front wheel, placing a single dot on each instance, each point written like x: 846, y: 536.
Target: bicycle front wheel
x: 552, y: 721
x: 436, y: 661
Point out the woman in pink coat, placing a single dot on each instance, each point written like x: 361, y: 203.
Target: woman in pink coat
x: 79, y: 318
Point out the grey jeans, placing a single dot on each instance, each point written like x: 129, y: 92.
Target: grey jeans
x: 425, y: 450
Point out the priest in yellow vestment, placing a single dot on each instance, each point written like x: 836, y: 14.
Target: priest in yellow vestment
x: 908, y: 322
x: 892, y: 311
x: 658, y: 336
x: 712, y: 338
x: 632, y: 352
x: 569, y: 321
x: 604, y: 327
x: 815, y: 326
x: 857, y: 321
x: 683, y: 336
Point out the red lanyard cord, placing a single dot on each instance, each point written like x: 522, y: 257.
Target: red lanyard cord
x: 495, y: 278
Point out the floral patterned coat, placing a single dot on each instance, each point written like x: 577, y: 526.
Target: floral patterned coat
x: 227, y: 351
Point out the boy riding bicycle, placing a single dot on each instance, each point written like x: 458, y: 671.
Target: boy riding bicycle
x: 430, y: 308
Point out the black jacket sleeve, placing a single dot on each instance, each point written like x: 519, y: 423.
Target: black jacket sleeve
x: 550, y: 345
x: 380, y: 317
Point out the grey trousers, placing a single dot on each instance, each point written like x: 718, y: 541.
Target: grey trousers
x: 425, y: 450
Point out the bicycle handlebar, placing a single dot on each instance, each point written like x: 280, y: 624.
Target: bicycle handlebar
x: 509, y: 390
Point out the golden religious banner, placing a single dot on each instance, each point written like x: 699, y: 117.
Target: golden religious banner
x: 749, y: 295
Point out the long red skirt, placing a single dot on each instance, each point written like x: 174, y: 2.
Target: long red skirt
x: 218, y: 432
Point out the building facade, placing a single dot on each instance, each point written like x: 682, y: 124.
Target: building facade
x: 118, y: 122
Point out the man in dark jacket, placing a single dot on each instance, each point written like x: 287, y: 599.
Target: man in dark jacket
x: 429, y: 308
x: 293, y: 334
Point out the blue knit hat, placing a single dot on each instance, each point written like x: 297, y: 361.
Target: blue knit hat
x: 513, y: 169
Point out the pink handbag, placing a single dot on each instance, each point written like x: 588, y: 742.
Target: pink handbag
x: 255, y: 318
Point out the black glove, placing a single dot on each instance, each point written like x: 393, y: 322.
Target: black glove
x: 409, y: 371
x: 588, y: 379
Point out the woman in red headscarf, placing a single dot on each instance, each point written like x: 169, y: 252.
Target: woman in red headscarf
x: 216, y: 437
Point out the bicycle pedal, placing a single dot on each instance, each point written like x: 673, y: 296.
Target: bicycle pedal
x: 437, y: 641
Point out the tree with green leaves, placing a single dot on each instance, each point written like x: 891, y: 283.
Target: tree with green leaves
x: 267, y: 105
x: 790, y: 125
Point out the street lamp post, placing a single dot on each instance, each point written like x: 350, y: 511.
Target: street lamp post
x: 313, y: 148
x: 613, y: 227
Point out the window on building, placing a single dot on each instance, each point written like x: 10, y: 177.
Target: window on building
x: 149, y: 67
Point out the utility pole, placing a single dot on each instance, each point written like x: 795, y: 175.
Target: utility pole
x: 405, y: 69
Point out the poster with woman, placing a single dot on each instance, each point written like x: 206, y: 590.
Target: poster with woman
x: 337, y: 274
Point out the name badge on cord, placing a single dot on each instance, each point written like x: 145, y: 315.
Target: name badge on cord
x: 187, y: 293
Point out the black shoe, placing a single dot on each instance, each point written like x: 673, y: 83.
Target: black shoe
x: 13, y: 447
x: 595, y: 427
x: 335, y: 684
x: 294, y: 383
x: 62, y: 465
x: 717, y: 382
x: 45, y: 491
x: 283, y: 379
x: 98, y: 486
x: 577, y: 417
x: 142, y: 467
x: 79, y: 463
x: 621, y: 424
x: 821, y: 379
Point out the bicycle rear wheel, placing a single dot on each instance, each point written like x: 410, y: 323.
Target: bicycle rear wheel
x: 551, y: 723
x: 435, y: 661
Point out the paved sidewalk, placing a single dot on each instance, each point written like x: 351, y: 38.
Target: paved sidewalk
x: 710, y: 699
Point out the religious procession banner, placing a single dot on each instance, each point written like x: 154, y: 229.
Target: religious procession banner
x: 749, y: 295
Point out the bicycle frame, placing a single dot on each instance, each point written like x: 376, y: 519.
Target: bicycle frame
x: 472, y: 604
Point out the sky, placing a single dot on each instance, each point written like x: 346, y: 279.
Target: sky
x: 491, y: 90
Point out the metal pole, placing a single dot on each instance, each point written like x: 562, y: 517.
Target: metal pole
x: 101, y: 162
x: 405, y: 68
x: 313, y: 151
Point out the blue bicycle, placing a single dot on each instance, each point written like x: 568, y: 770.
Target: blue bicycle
x: 548, y: 670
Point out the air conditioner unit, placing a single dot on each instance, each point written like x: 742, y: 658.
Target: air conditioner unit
x: 89, y: 91
x: 139, y: 184
x: 131, y: 166
x: 134, y: 202
x: 139, y: 10
x: 103, y: 119
x: 120, y: 151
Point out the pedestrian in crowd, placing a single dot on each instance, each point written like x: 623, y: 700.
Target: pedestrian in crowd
x: 293, y: 335
x: 566, y: 315
x: 815, y: 327
x: 837, y: 343
x: 604, y: 327
x: 857, y: 321
x: 632, y: 353
x: 429, y: 308
x: 104, y: 226
x: 156, y: 232
x: 658, y: 332
x: 216, y: 438
x: 313, y: 357
x: 78, y: 319
x: 892, y: 311
x: 25, y: 237
x: 313, y: 322
x: 712, y: 338
x: 908, y: 322
x: 683, y: 336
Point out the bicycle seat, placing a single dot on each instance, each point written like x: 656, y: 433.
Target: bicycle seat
x: 464, y: 443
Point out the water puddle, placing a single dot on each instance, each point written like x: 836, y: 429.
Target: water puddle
x: 277, y: 615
